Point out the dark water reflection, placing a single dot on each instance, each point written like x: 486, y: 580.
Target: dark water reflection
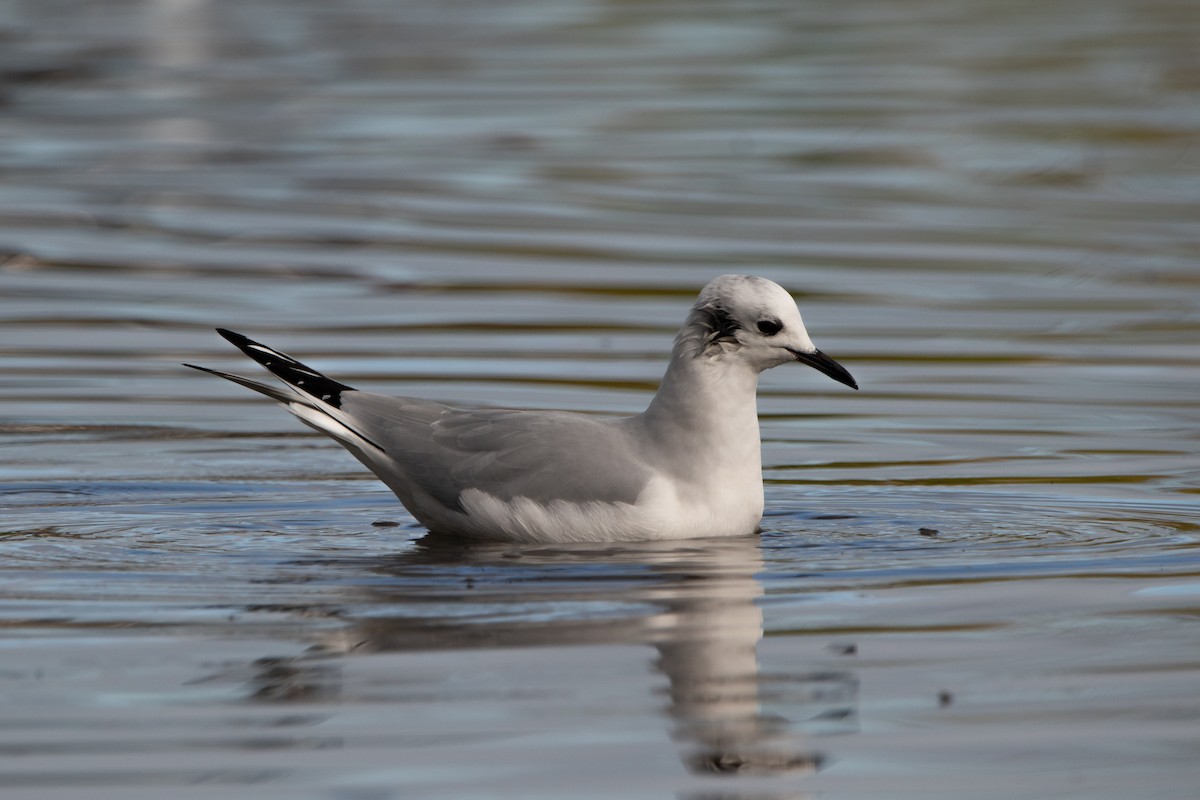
x: 977, y: 577
x: 696, y: 604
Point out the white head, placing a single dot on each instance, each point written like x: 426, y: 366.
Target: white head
x: 752, y: 321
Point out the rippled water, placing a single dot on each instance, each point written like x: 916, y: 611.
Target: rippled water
x: 979, y: 576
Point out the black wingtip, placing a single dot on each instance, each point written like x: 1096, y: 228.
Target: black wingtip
x: 251, y: 348
x: 234, y: 338
x: 296, y: 374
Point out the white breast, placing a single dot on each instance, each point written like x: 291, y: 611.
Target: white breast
x: 664, y: 510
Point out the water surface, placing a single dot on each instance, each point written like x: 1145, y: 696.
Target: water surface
x: 979, y: 576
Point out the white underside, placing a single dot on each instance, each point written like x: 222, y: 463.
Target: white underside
x: 658, y: 514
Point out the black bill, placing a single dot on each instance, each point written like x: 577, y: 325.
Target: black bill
x: 823, y: 363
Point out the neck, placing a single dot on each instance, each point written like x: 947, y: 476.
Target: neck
x: 707, y: 406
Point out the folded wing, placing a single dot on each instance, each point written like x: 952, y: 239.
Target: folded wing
x: 544, y: 456
x: 540, y: 455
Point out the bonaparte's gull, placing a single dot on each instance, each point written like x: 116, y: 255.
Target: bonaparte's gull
x: 689, y: 466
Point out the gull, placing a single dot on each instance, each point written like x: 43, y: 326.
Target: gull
x: 689, y: 466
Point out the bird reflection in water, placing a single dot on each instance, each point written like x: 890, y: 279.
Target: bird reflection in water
x: 695, y: 602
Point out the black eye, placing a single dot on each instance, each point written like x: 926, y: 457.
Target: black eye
x: 769, y: 327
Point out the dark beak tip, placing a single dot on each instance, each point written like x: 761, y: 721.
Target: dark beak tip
x: 827, y: 366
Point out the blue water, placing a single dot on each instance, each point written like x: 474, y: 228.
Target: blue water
x: 976, y: 576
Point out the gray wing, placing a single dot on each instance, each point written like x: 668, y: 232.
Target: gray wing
x: 540, y: 455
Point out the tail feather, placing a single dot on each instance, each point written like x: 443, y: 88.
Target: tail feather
x: 273, y: 392
x: 304, y: 378
x: 312, y: 397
